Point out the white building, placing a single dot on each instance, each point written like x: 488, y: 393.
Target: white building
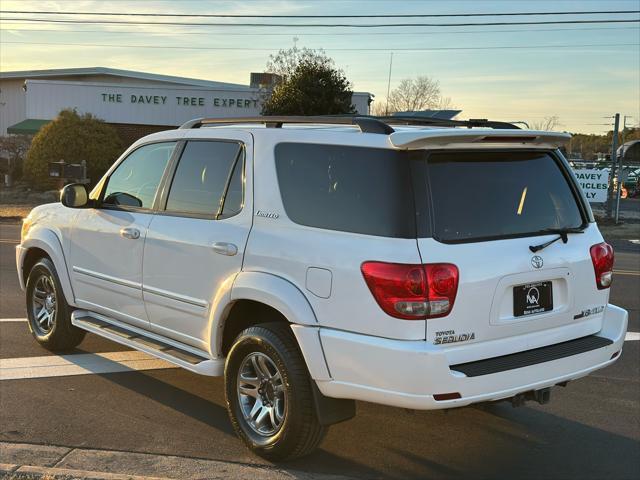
x: 137, y: 103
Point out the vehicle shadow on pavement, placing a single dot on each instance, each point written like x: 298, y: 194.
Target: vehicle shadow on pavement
x: 168, y: 395
x: 494, y: 441
x: 488, y: 441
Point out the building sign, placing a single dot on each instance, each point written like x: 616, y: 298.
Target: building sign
x: 594, y: 183
x: 140, y: 104
x: 223, y: 102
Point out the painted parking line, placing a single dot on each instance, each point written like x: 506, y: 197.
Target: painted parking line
x: 97, y: 363
x: 78, y: 364
x: 635, y: 273
x: 630, y: 335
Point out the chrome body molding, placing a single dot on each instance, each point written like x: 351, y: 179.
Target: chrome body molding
x: 175, y: 296
x: 108, y: 278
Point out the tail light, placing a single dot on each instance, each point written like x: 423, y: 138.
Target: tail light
x: 602, y: 258
x: 412, y: 292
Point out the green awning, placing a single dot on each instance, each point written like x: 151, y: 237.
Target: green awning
x: 27, y: 127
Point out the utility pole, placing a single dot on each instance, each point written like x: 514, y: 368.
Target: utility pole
x: 620, y: 179
x: 612, y: 172
x: 386, y: 109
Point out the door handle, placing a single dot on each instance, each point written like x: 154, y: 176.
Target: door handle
x: 130, y: 233
x: 224, y: 248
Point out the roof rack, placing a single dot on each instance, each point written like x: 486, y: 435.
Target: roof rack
x: 367, y: 123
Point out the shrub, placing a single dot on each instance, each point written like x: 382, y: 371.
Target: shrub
x: 72, y: 138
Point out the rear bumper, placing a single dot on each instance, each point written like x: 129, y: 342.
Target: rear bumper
x: 408, y: 373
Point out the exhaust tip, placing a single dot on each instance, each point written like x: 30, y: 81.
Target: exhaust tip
x: 542, y: 396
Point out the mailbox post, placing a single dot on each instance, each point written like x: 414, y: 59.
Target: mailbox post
x: 69, y: 171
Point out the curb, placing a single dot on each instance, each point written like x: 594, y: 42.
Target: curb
x: 16, y: 472
x: 25, y: 461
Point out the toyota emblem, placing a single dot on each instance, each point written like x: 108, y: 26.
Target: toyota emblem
x: 536, y: 261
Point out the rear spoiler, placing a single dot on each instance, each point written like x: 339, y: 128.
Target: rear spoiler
x: 478, y: 138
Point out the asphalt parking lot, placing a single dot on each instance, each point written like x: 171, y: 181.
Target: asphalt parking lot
x: 590, y: 430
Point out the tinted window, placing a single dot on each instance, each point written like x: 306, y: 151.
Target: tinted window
x: 135, y: 181
x: 353, y: 189
x: 234, y: 199
x: 479, y: 195
x: 202, y: 174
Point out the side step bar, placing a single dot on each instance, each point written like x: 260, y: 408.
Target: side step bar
x: 166, y: 349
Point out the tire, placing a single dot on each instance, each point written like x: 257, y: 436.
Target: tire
x: 48, y: 314
x: 293, y: 429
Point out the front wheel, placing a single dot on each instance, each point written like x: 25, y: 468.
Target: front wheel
x: 269, y: 394
x: 48, y: 313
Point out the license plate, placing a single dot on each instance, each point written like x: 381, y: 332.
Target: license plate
x: 532, y: 298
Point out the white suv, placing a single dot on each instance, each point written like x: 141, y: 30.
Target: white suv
x: 432, y: 264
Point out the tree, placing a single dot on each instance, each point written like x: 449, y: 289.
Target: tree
x: 414, y: 94
x: 13, y: 148
x: 314, y: 87
x: 285, y: 62
x: 72, y: 138
x: 590, y: 147
x: 547, y: 124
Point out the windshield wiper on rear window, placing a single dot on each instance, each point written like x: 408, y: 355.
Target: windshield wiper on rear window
x: 563, y: 234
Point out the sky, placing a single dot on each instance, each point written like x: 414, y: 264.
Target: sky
x: 581, y: 73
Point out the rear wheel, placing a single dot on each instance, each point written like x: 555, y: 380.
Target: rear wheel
x: 48, y: 313
x: 269, y: 394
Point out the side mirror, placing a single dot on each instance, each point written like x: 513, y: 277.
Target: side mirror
x: 74, y: 195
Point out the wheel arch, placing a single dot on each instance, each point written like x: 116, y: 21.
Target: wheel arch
x: 262, y: 288
x: 258, y: 297
x: 44, y: 243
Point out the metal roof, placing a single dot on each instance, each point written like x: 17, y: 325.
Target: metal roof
x: 74, y: 72
x: 441, y: 114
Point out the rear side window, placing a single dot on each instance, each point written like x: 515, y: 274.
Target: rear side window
x: 199, y: 185
x: 490, y: 195
x: 351, y: 189
x: 234, y: 198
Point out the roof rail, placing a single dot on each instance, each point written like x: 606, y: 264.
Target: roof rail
x: 367, y: 123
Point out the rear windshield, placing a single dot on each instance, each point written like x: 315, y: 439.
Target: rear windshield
x: 488, y: 195
x: 351, y: 189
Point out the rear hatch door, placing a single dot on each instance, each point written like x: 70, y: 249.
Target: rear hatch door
x: 487, y: 209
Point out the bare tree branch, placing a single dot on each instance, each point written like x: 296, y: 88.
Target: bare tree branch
x: 549, y: 123
x: 413, y: 94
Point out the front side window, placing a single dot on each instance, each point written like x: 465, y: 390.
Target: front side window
x: 205, y: 170
x: 134, y: 183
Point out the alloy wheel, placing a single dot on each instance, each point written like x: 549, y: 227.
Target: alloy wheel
x: 44, y: 304
x: 262, y: 394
